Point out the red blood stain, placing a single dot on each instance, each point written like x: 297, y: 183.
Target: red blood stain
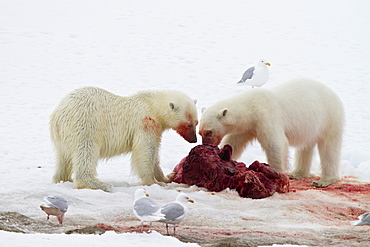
x: 182, y: 129
x: 188, y: 133
x: 106, y: 227
x: 149, y: 124
x: 347, y: 187
x: 336, y: 214
x: 190, y: 118
x: 187, y: 128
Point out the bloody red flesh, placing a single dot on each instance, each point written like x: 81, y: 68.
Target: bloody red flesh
x: 209, y: 167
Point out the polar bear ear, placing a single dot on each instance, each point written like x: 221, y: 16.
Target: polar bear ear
x: 195, y: 101
x: 203, y: 109
x: 222, y: 113
x: 173, y: 106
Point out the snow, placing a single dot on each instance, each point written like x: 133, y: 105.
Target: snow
x: 107, y: 239
x: 49, y: 48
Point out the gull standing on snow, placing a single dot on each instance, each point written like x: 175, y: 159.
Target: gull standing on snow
x: 364, y: 219
x: 176, y: 211
x: 145, y: 209
x: 54, y: 205
x: 256, y: 76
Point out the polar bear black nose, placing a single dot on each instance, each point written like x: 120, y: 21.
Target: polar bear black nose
x: 193, y: 139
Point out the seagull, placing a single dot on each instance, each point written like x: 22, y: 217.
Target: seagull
x: 256, y: 76
x: 54, y: 205
x: 145, y: 209
x: 364, y: 219
x: 176, y: 211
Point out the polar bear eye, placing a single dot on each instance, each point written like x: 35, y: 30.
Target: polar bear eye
x: 209, y: 133
x: 189, y: 125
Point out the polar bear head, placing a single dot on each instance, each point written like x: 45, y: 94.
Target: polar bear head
x: 181, y: 115
x: 215, y: 123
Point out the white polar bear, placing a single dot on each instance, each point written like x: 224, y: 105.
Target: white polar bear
x: 301, y: 113
x: 91, y: 123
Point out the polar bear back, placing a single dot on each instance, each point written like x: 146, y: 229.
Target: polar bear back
x: 301, y: 108
x: 86, y: 107
x: 110, y: 120
x: 316, y: 109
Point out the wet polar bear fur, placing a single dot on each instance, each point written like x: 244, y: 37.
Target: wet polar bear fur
x: 91, y: 124
x: 302, y: 113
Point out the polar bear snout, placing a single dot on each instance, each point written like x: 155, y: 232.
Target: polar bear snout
x: 187, y: 129
x: 192, y: 139
x: 189, y: 133
x: 213, y: 141
x: 208, y: 137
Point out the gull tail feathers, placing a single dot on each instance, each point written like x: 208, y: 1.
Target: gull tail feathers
x: 156, y: 217
x: 357, y: 223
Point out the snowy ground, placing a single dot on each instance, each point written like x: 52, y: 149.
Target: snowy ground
x: 49, y: 48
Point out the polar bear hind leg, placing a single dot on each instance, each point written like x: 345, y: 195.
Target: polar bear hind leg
x: 329, y: 150
x: 64, y: 170
x: 85, y: 160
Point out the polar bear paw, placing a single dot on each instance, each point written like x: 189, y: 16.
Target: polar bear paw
x: 59, y: 178
x: 94, y: 184
x: 298, y: 175
x: 325, y: 182
x: 171, y: 176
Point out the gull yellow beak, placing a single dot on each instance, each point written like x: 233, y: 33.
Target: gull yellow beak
x: 268, y: 64
x: 190, y: 200
x: 146, y: 194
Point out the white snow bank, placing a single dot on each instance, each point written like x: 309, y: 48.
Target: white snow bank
x: 109, y: 238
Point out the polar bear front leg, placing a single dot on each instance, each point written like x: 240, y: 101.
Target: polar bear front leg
x: 238, y: 143
x: 158, y: 173
x: 144, y: 162
x: 159, y: 176
x: 276, y: 147
x: 85, y: 161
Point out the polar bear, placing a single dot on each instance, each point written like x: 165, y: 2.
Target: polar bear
x: 301, y: 113
x: 92, y: 123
